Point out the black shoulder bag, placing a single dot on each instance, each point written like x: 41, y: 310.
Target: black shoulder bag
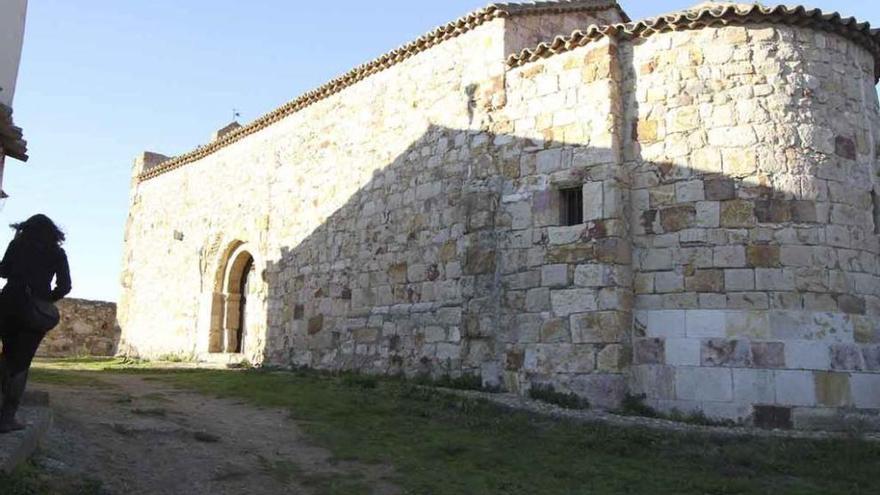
x: 38, y: 314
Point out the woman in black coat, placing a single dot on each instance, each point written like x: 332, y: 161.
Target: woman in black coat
x: 34, y: 257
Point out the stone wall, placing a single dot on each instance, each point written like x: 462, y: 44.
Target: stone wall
x: 727, y: 261
x: 87, y: 328
x: 756, y: 262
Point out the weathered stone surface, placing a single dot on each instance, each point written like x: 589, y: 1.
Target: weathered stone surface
x: 768, y: 354
x: 832, y: 389
x: 86, y: 328
x: 677, y: 218
x: 649, y: 351
x: 737, y: 213
x: 413, y: 222
x: 724, y: 352
x: 763, y: 255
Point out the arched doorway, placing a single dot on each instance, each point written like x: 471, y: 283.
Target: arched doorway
x: 230, y: 313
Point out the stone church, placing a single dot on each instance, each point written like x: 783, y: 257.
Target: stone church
x: 684, y: 208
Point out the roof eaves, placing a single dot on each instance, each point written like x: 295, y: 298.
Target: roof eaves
x: 859, y: 32
x: 447, y: 31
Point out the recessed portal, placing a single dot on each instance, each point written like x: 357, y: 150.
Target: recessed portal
x: 229, y: 315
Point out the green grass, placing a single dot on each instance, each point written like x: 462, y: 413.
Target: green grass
x: 443, y: 444
x: 67, y: 378
x: 546, y: 393
x: 30, y: 479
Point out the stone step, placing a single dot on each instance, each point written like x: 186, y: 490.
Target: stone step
x: 17, y: 447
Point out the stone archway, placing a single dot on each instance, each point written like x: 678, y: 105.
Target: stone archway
x: 229, y: 311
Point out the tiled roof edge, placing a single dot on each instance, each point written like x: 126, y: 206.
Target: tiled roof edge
x: 849, y: 27
x: 447, y: 31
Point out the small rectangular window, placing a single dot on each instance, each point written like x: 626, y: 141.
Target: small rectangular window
x: 571, y: 206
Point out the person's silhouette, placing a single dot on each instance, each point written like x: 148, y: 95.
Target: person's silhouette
x: 34, y: 257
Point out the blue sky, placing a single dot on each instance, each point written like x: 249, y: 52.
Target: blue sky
x: 102, y: 80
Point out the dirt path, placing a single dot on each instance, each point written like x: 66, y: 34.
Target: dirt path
x: 139, y: 436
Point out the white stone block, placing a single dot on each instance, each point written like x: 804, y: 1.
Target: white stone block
x: 704, y: 384
x: 704, y: 323
x: 808, y: 355
x: 795, y: 388
x: 754, y: 386
x: 865, y: 390
x: 751, y: 324
x: 682, y: 352
x: 665, y: 323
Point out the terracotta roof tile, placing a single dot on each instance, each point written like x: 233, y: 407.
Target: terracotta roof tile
x: 713, y: 14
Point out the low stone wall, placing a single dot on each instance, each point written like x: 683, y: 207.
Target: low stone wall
x: 87, y: 328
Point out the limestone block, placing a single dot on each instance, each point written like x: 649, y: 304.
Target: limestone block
x: 705, y: 324
x: 725, y: 352
x: 704, y: 384
x: 737, y: 213
x: 708, y: 214
x: 538, y: 299
x: 832, y: 389
x: 567, y: 302
x: 754, y: 386
x: 653, y: 381
x: 865, y: 389
x: 665, y: 282
x: 664, y: 323
x: 555, y: 276
x: 613, y: 358
x: 763, y: 256
x: 739, y: 279
x: 778, y: 279
x: 719, y: 188
x: 594, y: 201
x: 555, y: 331
x: 604, y: 390
x: 649, y: 351
x: 593, y: 275
x: 768, y: 354
x: 705, y: 281
x: 808, y: 355
x: 795, y: 388
x: 729, y: 256
x: 871, y: 357
x: 803, y: 325
x: 599, y: 327
x: 679, y: 217
x: 846, y: 357
x: 682, y: 351
x: 739, y: 162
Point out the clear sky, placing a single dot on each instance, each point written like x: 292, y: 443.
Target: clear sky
x: 102, y: 80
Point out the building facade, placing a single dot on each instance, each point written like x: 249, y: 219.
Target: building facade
x: 12, y: 20
x: 683, y: 208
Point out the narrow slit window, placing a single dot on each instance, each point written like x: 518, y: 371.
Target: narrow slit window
x: 571, y: 206
x: 875, y: 199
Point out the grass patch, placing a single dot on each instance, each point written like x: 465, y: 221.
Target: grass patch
x: 463, y: 382
x: 66, y: 378
x: 30, y: 479
x: 442, y: 444
x: 546, y: 393
x: 634, y: 405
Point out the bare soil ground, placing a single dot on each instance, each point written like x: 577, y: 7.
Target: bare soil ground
x: 134, y: 435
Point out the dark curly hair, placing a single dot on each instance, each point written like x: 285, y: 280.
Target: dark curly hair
x: 41, y: 229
